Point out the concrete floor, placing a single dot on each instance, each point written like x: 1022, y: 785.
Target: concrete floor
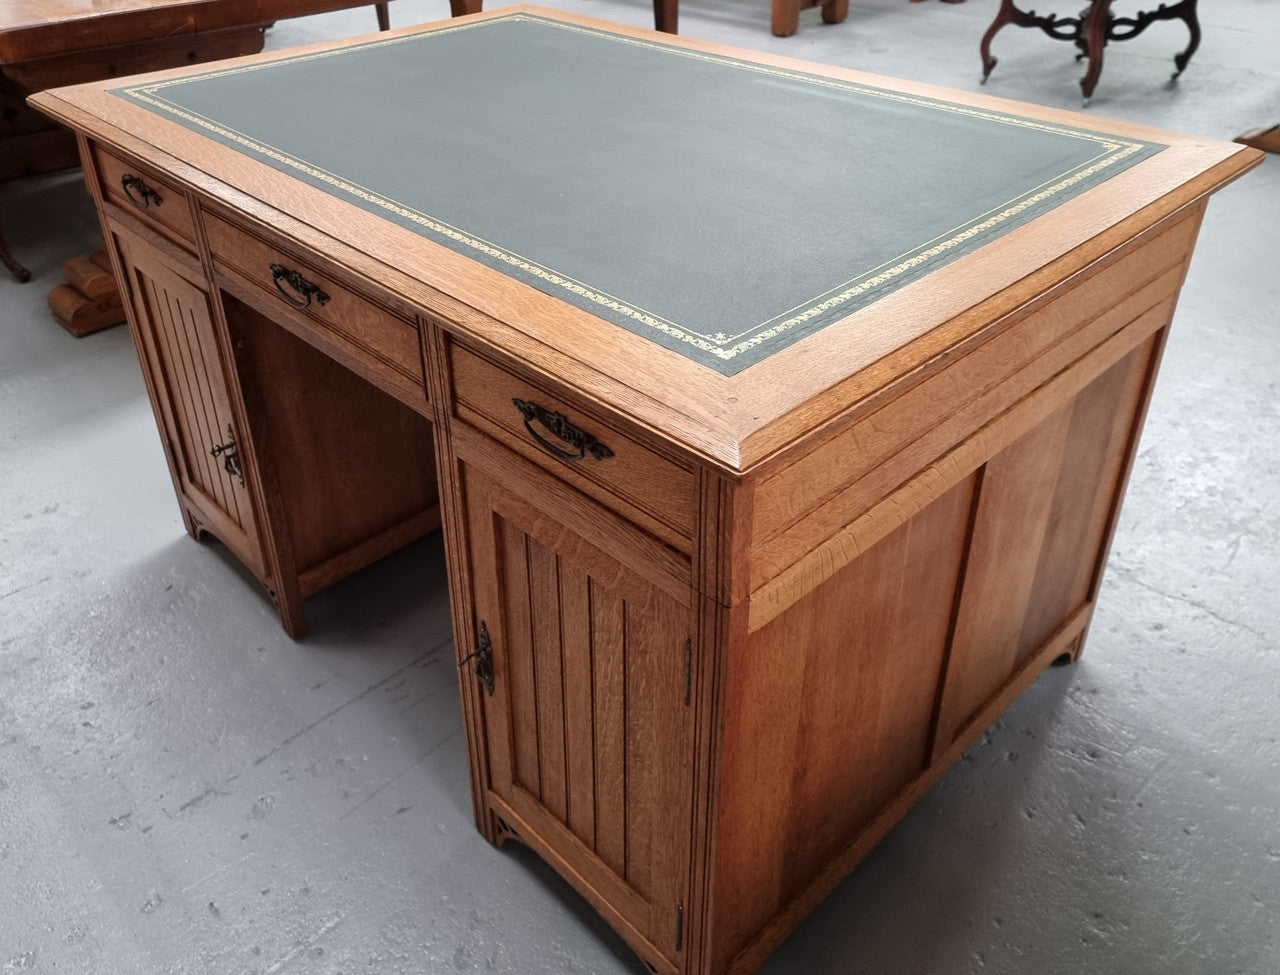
x: 183, y: 789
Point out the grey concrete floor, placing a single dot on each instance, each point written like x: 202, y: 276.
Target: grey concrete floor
x: 183, y: 789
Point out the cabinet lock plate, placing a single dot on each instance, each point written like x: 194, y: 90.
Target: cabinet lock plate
x: 230, y: 455
x: 483, y: 657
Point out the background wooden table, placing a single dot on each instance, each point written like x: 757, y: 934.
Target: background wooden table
x: 47, y: 43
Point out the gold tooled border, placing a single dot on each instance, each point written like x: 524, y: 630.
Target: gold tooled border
x: 1112, y: 150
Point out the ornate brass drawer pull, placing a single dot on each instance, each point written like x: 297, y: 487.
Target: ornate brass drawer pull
x: 139, y: 193
x: 582, y: 442
x: 302, y: 291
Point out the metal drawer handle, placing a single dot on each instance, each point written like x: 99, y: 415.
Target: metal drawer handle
x: 559, y: 424
x: 139, y: 193
x: 302, y: 290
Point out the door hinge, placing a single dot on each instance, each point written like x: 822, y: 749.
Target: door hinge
x: 680, y: 927
x: 688, y: 669
x: 483, y: 656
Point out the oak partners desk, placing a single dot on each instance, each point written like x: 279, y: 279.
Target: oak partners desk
x: 776, y: 449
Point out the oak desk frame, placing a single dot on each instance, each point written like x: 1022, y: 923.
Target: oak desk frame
x: 703, y: 676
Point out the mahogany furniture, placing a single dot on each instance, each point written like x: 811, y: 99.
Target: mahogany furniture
x: 46, y: 43
x: 18, y: 271
x: 785, y: 14
x: 765, y: 485
x: 1091, y: 31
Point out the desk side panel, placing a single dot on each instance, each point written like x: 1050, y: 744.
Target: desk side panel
x: 919, y: 444
x: 1042, y: 526
x: 828, y: 714
x: 842, y: 709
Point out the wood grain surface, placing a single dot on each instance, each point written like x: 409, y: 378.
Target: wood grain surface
x: 703, y: 674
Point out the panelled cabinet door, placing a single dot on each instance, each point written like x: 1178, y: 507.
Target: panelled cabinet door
x: 176, y: 339
x: 588, y: 725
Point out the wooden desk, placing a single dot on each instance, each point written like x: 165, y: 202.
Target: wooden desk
x: 763, y: 493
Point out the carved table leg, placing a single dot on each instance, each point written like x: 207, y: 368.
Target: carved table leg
x: 1093, y: 41
x: 1091, y: 31
x: 1003, y: 16
x: 1188, y: 10
x: 1062, y: 28
x: 1124, y: 28
x: 19, y: 272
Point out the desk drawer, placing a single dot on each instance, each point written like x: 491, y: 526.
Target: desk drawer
x: 149, y: 197
x: 367, y: 336
x: 580, y: 447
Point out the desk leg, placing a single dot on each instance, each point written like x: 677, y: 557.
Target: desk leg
x: 460, y: 7
x: 384, y: 16
x: 19, y: 272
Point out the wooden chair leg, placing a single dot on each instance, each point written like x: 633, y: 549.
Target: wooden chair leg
x: 19, y: 272
x: 384, y: 16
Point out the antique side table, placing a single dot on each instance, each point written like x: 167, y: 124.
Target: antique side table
x: 1091, y: 31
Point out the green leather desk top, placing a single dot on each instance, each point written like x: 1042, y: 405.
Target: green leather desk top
x: 721, y: 208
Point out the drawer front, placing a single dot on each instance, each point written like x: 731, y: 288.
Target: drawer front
x: 372, y: 339
x: 150, y: 198
x: 580, y: 447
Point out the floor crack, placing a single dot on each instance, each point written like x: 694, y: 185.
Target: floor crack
x: 363, y: 694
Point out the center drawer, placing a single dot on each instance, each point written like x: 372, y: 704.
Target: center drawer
x: 580, y: 447
x: 364, y: 335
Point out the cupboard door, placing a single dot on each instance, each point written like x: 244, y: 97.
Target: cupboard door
x: 588, y: 723
x: 176, y: 339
